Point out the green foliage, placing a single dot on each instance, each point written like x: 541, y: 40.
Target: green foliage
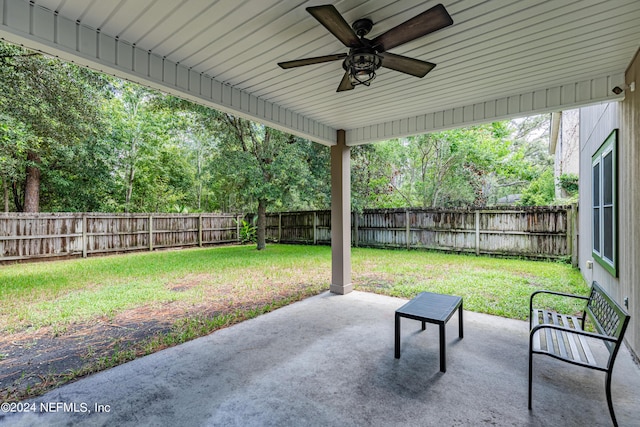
x: 473, y: 166
x: 541, y: 191
x: 248, y: 231
x: 569, y: 183
x: 140, y: 150
x: 51, y: 107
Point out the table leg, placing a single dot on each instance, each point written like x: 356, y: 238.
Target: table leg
x: 460, y: 331
x: 397, y: 344
x: 443, y: 353
x: 424, y: 325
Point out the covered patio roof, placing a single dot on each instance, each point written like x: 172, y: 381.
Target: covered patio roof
x: 499, y: 59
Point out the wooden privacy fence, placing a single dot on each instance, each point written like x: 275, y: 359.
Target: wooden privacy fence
x: 538, y: 232
x: 30, y: 236
x: 541, y: 232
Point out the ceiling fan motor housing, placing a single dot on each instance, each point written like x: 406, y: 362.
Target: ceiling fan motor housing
x: 362, y: 26
x: 361, y: 64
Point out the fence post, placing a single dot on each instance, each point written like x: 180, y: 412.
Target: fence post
x: 572, y: 234
x: 477, y: 232
x: 279, y: 227
x: 408, y: 228
x: 84, y: 236
x: 238, y: 219
x: 355, y: 228
x: 315, y: 227
x: 200, y: 230
x: 150, y: 233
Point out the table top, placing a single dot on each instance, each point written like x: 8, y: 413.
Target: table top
x: 432, y: 306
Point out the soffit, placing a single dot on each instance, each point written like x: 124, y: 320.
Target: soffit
x: 496, y: 54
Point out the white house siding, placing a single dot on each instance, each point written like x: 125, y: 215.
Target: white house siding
x: 596, y: 123
x: 629, y: 195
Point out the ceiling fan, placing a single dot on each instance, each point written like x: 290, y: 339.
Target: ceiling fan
x: 366, y: 56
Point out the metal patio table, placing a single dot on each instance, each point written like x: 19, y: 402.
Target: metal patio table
x: 432, y: 308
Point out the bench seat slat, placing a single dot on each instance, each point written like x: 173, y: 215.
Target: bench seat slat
x: 591, y: 360
x: 572, y: 343
x: 536, y: 321
x: 549, y: 332
x: 560, y: 343
x: 560, y: 321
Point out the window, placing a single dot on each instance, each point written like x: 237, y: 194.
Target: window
x: 604, y: 180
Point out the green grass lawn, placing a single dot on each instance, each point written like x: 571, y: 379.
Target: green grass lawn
x: 487, y: 285
x: 62, y: 292
x: 81, y: 316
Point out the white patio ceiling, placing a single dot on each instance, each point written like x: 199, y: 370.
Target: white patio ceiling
x: 500, y: 58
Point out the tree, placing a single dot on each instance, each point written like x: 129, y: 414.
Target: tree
x: 450, y: 168
x: 264, y: 165
x: 541, y: 191
x: 136, y: 134
x: 53, y: 104
x: 196, y: 131
x: 13, y: 145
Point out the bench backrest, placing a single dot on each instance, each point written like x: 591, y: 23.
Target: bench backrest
x: 607, y: 316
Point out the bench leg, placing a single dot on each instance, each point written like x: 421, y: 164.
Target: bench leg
x: 609, y: 401
x: 530, y: 370
x: 460, y: 330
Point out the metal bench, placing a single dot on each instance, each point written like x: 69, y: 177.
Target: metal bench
x: 563, y: 337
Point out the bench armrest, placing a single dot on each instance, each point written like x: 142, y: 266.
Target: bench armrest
x: 573, y: 331
x: 553, y: 293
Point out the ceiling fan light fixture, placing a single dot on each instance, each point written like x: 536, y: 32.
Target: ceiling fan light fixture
x: 362, y: 67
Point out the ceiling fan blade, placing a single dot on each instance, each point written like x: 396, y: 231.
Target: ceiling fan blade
x: 345, y: 83
x: 329, y: 16
x: 311, y: 61
x: 414, y: 67
x: 427, y: 22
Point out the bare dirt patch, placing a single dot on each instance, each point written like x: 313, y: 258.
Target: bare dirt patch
x: 34, y: 361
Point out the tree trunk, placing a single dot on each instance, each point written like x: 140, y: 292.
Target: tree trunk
x: 127, y: 197
x: 32, y: 184
x: 199, y: 187
x: 18, y: 200
x: 262, y: 224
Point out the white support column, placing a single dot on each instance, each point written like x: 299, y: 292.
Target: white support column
x: 341, y: 217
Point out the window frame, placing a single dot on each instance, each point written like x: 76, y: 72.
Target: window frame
x: 601, y: 205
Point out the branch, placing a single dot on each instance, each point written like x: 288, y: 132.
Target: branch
x: 21, y: 55
x: 511, y: 184
x: 401, y: 194
x: 4, y: 58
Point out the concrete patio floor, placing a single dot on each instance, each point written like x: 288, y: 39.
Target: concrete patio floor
x: 328, y: 361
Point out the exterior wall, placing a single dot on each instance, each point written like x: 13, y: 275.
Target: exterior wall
x: 567, y: 148
x: 629, y: 196
x: 596, y: 123
x: 565, y: 144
